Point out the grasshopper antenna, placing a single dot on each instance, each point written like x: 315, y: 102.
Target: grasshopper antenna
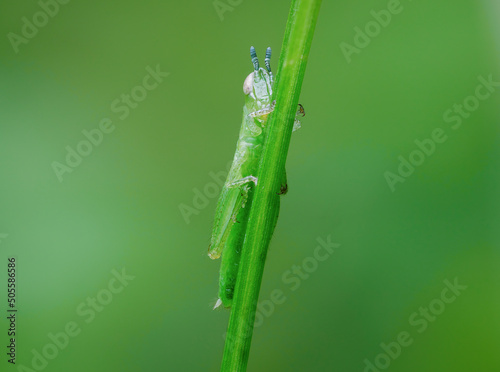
x: 268, y: 59
x: 255, y: 60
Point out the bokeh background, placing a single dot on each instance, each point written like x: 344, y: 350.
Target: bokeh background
x: 120, y: 209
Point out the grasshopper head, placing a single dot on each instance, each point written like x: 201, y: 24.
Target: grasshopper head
x: 258, y: 85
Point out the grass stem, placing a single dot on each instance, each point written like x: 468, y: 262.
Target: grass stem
x: 293, y: 59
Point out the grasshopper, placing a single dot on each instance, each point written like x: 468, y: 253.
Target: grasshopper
x: 233, y: 207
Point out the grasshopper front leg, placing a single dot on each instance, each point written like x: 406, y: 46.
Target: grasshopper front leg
x: 267, y: 110
x: 243, y: 181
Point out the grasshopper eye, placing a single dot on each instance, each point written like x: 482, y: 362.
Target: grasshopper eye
x: 248, y: 84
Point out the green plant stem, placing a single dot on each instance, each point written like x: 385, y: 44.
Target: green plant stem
x: 293, y: 59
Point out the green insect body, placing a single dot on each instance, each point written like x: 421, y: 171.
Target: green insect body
x: 233, y: 207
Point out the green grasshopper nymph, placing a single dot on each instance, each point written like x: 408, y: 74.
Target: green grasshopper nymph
x: 233, y: 207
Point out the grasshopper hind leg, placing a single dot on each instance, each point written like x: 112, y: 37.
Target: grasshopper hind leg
x: 231, y: 254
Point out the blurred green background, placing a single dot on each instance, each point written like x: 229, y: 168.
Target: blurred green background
x: 120, y: 209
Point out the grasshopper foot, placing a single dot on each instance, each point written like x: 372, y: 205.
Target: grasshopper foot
x: 283, y: 189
